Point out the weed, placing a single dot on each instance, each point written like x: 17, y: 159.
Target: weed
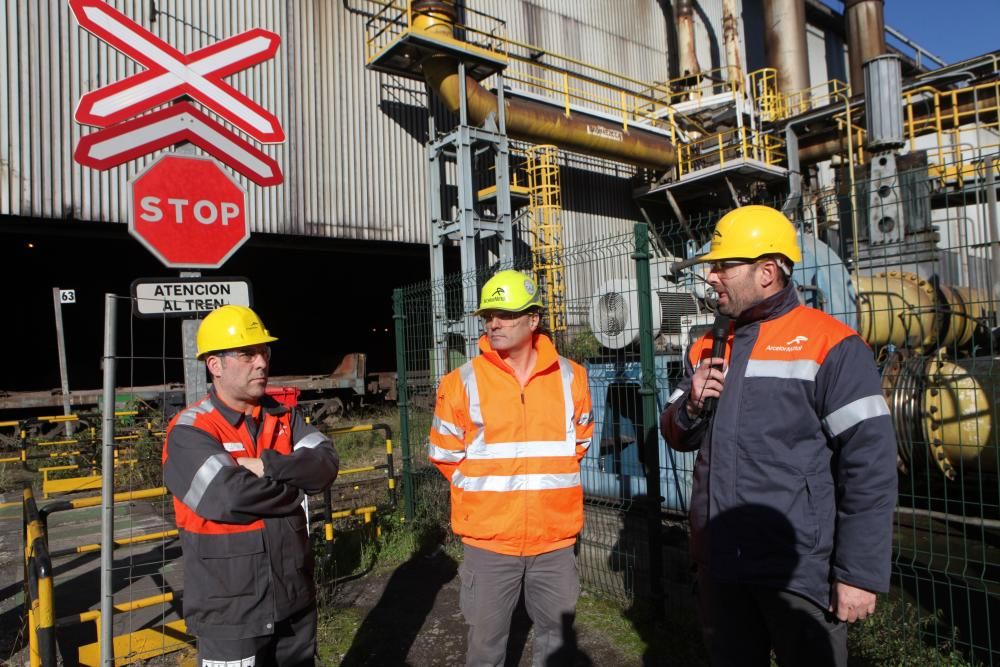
x: 892, y: 637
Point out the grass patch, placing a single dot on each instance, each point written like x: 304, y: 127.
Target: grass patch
x: 635, y: 633
x: 335, y: 630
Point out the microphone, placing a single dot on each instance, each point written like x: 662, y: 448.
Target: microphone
x: 720, y: 332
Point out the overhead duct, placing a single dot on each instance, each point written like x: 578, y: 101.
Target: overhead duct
x: 686, y: 44
x: 865, y: 36
x: 532, y: 121
x: 785, y: 43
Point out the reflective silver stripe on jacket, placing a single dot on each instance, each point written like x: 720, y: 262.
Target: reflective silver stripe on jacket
x: 674, y: 396
x: 802, y: 369
x: 188, y: 417
x: 312, y: 440
x: 445, y: 455
x: 856, y: 412
x: 468, y: 375
x: 536, y: 482
x: 447, y: 428
x: 482, y: 450
x: 206, y: 473
x: 566, y: 370
x: 518, y: 450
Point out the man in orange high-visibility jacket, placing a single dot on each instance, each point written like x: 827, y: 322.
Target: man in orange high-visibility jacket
x: 510, y: 428
x: 238, y: 464
x: 794, y: 485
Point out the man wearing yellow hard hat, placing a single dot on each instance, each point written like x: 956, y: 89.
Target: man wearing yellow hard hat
x: 238, y: 464
x: 510, y: 427
x: 795, y: 478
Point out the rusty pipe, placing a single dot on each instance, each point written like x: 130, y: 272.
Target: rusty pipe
x: 531, y: 121
x: 865, y: 36
x: 731, y: 38
x: 686, y: 45
x: 785, y: 43
x: 541, y: 124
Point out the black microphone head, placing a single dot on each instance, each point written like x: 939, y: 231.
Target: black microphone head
x: 720, y: 329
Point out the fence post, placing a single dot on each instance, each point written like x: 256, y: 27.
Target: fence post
x: 402, y: 403
x: 107, y: 633
x: 650, y: 417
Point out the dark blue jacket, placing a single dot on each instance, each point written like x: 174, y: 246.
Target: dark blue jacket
x: 795, y: 479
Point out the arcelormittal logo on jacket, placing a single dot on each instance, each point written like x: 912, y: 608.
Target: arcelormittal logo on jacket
x: 794, y: 345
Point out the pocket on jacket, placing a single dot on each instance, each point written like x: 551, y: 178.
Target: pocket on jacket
x: 231, y: 563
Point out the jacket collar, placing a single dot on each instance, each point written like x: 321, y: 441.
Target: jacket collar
x: 546, y: 351
x: 773, y: 306
x: 268, y: 405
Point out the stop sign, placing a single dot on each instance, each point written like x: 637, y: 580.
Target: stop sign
x: 188, y: 212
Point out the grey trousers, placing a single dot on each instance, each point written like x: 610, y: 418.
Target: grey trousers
x: 293, y: 644
x: 741, y: 624
x: 491, y: 586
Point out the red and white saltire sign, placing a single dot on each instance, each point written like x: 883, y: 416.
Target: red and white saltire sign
x: 168, y: 126
x: 170, y: 73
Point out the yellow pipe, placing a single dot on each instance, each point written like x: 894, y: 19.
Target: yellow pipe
x: 531, y: 121
x: 93, y: 501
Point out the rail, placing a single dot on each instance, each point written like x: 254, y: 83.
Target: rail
x: 947, y: 114
x: 367, y: 511
x: 726, y: 148
x: 39, y: 599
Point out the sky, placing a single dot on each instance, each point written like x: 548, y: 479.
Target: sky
x: 953, y: 30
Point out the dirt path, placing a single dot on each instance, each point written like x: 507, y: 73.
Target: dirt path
x: 410, y: 616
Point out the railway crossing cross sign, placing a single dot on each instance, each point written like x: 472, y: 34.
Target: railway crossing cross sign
x: 188, y: 212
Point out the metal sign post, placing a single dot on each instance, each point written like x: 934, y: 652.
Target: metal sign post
x: 59, y: 297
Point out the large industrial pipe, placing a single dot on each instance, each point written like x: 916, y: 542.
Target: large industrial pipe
x: 785, y: 43
x: 686, y: 45
x: 731, y: 38
x: 533, y: 121
x: 865, y: 36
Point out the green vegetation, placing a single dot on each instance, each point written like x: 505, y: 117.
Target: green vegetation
x: 891, y: 637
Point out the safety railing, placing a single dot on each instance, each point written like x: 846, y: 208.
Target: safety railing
x: 140, y: 644
x: 346, y: 478
x: 545, y: 227
x: 568, y: 82
x: 727, y: 148
x: 773, y: 105
x: 693, y: 88
x: 39, y: 599
x: 392, y: 19
x: 948, y: 114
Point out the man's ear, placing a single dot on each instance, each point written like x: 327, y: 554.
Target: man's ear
x: 214, y: 365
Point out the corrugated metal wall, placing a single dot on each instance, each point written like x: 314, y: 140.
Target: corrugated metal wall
x: 354, y: 158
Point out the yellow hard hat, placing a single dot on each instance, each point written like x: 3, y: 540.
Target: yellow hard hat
x: 229, y: 327
x: 509, y: 290
x: 750, y: 232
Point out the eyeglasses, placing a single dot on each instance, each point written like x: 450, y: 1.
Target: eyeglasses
x: 506, y: 317
x: 248, y: 354
x: 725, y: 267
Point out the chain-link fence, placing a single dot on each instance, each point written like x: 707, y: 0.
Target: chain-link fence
x: 911, y: 264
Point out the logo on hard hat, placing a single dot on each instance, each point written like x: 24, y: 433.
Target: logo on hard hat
x: 498, y: 293
x: 529, y: 287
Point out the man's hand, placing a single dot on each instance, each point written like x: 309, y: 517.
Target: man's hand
x: 256, y: 466
x: 705, y: 383
x: 851, y: 604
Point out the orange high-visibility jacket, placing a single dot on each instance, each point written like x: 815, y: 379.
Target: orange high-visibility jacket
x: 512, y: 453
